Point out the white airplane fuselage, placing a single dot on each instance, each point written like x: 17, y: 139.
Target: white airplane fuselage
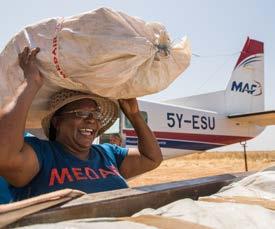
x: 183, y: 130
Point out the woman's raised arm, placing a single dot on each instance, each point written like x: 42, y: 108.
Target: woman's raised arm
x: 148, y: 155
x: 18, y: 163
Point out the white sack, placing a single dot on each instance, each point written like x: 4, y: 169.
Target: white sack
x: 258, y: 185
x: 90, y: 223
x: 217, y: 215
x: 227, y: 215
x: 103, y: 51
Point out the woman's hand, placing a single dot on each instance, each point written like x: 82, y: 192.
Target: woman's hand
x: 27, y: 61
x: 129, y: 106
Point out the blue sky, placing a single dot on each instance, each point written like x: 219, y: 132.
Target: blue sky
x: 216, y: 28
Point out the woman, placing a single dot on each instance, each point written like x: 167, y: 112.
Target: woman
x: 5, y: 196
x: 69, y: 160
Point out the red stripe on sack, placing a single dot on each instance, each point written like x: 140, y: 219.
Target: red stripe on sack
x: 55, y: 52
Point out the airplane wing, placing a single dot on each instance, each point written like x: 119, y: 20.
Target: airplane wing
x: 264, y: 118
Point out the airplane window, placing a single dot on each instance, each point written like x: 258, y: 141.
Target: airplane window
x: 129, y: 125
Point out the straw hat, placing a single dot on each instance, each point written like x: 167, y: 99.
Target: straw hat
x: 108, y: 108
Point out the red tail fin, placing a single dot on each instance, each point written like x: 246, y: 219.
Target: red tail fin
x: 251, y: 47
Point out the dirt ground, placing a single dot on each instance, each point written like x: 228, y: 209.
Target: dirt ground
x: 204, y: 164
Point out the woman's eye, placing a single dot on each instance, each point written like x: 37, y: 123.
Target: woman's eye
x: 82, y: 114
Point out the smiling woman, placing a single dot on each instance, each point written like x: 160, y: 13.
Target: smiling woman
x: 69, y: 159
x: 76, y: 119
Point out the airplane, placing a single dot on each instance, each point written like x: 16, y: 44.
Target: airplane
x: 207, y: 121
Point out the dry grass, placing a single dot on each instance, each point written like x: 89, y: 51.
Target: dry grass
x: 251, y: 155
x: 205, y: 164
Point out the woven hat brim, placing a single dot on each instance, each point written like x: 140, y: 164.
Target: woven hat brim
x: 109, y: 111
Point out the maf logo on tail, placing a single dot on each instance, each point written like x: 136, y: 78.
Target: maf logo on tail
x: 254, y: 88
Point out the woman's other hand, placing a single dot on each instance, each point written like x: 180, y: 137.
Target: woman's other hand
x: 129, y: 106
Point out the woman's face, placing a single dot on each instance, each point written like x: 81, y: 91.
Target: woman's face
x: 76, y: 133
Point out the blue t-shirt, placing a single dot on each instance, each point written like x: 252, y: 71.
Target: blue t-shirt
x: 5, y: 196
x: 60, y: 169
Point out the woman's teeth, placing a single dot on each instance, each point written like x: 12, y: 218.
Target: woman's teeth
x: 86, y: 131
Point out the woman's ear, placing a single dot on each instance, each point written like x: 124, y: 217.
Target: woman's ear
x: 54, y: 122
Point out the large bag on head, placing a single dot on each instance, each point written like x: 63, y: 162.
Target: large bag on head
x: 105, y: 52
